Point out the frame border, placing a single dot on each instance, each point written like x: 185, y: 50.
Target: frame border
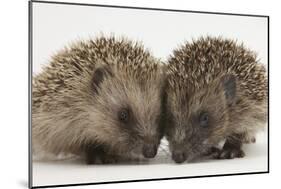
x: 30, y: 71
x: 147, y: 8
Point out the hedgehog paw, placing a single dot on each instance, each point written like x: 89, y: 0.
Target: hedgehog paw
x: 250, y: 140
x: 99, y: 155
x: 212, y: 153
x: 109, y: 159
x: 102, y: 159
x: 230, y: 153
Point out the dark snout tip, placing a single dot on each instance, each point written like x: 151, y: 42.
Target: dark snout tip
x: 149, y: 151
x: 179, y: 157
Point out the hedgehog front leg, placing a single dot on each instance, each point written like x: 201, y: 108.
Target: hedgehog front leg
x: 232, y: 147
x: 212, y: 153
x: 98, y: 155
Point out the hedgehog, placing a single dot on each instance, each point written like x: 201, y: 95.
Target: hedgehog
x: 216, y: 93
x: 99, y: 99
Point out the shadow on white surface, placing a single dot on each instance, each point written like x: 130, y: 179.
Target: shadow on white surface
x: 74, y: 171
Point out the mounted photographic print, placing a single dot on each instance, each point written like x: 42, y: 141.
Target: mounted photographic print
x: 120, y: 94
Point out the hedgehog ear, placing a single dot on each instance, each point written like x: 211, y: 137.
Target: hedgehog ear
x: 229, y: 85
x: 99, y: 75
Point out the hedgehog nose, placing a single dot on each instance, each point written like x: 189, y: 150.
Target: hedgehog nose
x: 179, y: 156
x: 149, y: 150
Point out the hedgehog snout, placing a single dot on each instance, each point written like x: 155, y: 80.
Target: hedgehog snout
x: 149, y: 150
x: 150, y: 146
x: 179, y: 156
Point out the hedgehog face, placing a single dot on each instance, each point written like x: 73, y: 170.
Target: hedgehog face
x: 198, y: 120
x: 126, y: 112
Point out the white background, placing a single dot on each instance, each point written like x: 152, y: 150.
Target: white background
x: 55, y: 25
x: 14, y: 94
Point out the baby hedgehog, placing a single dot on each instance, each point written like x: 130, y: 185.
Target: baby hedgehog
x: 216, y: 91
x: 100, y: 99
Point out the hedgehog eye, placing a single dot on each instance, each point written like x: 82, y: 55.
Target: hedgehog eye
x: 204, y: 119
x: 123, y: 115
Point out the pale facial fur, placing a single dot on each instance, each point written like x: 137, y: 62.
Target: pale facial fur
x: 142, y: 101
